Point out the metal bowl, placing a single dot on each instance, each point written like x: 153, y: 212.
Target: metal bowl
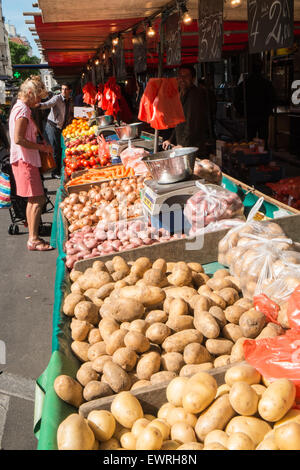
x: 104, y: 120
x: 128, y: 132
x: 172, y: 166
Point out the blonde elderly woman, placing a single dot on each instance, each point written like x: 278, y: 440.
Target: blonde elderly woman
x: 25, y: 158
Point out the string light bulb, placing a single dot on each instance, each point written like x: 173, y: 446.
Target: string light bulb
x: 235, y: 3
x: 97, y: 62
x: 186, y: 17
x: 113, y: 50
x: 115, y: 41
x: 150, y: 31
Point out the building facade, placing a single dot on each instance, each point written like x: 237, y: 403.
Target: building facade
x: 5, y: 59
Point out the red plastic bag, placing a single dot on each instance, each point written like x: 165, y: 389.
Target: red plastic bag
x: 160, y: 104
x: 89, y: 94
x: 111, y: 96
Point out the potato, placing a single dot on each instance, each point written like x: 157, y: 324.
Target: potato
x: 242, y: 373
x: 217, y: 300
x: 162, y: 426
x: 107, y: 326
x: 123, y: 310
x: 195, y: 353
x: 69, y: 390
x: 120, y: 276
x: 140, y: 266
x: 139, y: 325
x: 161, y: 377
x: 251, y: 323
x: 157, y: 333
x: 255, y: 428
x: 221, y: 273
x: 206, y: 324
x: 156, y: 316
x: 149, y: 296
x: 287, y: 437
x: 125, y: 358
x: 87, y: 311
x: 102, y: 423
x: 237, y: 351
x: 197, y: 279
x: 217, y: 436
x: 218, y: 315
x: 185, y: 293
x: 126, y: 409
x: 181, y: 275
x: 86, y: 374
x: 148, y: 365
x: 197, y: 267
x: 222, y: 390
x: 119, y: 264
x: 155, y: 277
x: 170, y: 445
x: 94, y: 336
x: 218, y: 283
x: 149, y: 439
x: 191, y: 369
x: 116, y: 377
x: 236, y: 283
x: 76, y: 289
x: 219, y: 347
x: 199, y: 392
x: 219, y: 413
x: 98, y: 363
x: 94, y: 279
x: 183, y: 433
x: 229, y: 294
x: 140, y: 383
x: 178, y: 341
x: 232, y: 332
x: 180, y: 415
x: 160, y: 264
x: 267, y: 444
x: 214, y: 446
x: 222, y: 361
x: 80, y: 349
x: 105, y: 291
x: 164, y: 411
x: 96, y: 389
x: 292, y: 415
x: 70, y: 303
x: 111, y: 444
x: 170, y: 267
x: 80, y: 329
x: 172, y: 362
x: 74, y: 433
x: 115, y: 341
x: 178, y: 307
x: 243, y: 399
x: 139, y: 426
x: 271, y: 331
x: 175, y: 391
x: 137, y: 341
x: 128, y: 441
x: 96, y: 350
x: 180, y: 323
x: 233, y: 313
x: 131, y: 279
x: 277, y: 400
x: 99, y: 266
x: 120, y: 430
x: 240, y: 441
x: 245, y: 303
x: 201, y: 303
x: 74, y: 275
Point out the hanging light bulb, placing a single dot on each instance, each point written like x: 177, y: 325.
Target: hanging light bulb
x: 235, y: 3
x: 150, y: 31
x: 113, y: 50
x: 97, y: 62
x: 186, y: 17
x: 115, y: 41
x: 103, y: 56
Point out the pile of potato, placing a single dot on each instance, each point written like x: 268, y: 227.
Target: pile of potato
x: 242, y: 414
x: 140, y: 324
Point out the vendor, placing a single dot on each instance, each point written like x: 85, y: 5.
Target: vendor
x: 194, y: 131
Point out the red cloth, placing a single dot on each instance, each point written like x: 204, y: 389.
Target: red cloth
x: 160, y: 104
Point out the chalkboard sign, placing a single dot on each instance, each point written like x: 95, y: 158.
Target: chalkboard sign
x: 270, y: 24
x: 140, y: 53
x: 120, y: 60
x: 210, y: 26
x: 173, y: 40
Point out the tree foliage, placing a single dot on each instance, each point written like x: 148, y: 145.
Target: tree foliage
x: 19, y: 55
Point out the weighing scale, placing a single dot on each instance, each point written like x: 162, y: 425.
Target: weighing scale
x: 120, y: 145
x: 164, y: 203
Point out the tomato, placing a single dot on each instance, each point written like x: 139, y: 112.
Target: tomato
x: 68, y: 171
x: 92, y: 161
x: 85, y: 163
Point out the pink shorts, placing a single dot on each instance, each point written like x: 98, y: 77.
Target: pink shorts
x: 28, y: 179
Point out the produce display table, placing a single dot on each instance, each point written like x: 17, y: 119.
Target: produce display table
x: 50, y: 410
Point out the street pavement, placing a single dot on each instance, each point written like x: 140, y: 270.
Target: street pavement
x: 26, y: 303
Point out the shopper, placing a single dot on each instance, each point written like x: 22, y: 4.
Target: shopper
x: 194, y: 131
x: 60, y: 116
x: 260, y: 101
x: 25, y: 158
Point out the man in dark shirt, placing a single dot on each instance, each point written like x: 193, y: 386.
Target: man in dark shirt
x: 260, y: 100
x: 193, y: 132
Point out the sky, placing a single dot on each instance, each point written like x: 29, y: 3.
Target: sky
x: 13, y: 14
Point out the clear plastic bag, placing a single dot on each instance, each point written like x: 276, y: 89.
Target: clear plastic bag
x: 207, y: 170
x: 132, y: 158
x: 210, y: 205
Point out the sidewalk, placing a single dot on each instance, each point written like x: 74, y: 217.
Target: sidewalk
x: 27, y: 296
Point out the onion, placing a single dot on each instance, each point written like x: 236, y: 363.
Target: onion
x: 131, y: 198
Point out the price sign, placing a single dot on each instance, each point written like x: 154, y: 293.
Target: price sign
x: 140, y: 53
x: 210, y: 26
x: 270, y: 24
x: 173, y: 40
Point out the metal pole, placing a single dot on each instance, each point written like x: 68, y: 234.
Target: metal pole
x: 160, y: 71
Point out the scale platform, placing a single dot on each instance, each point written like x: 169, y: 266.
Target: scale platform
x: 164, y: 204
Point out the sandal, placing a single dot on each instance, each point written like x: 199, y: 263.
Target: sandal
x: 39, y: 245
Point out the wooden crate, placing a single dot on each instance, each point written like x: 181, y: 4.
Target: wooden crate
x: 151, y: 397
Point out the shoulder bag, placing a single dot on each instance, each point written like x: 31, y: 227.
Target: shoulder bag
x: 47, y: 159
